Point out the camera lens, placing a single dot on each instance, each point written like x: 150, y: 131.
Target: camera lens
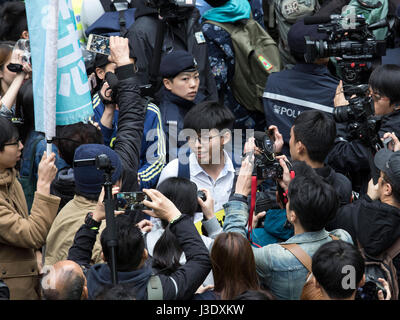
x: 342, y: 114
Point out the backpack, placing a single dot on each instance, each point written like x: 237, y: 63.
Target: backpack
x: 115, y: 21
x: 256, y: 57
x: 287, y: 13
x: 309, y: 292
x: 382, y: 267
x: 28, y: 182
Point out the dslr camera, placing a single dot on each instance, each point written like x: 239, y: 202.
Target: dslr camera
x: 202, y: 196
x: 359, y: 116
x: 266, y: 166
x: 369, y: 291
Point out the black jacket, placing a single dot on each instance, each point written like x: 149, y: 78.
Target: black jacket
x: 178, y: 36
x: 353, y: 158
x: 339, y: 182
x: 132, y: 109
x: 187, y: 278
x: 374, y: 224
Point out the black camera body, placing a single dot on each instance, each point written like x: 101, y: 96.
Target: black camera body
x: 202, y: 196
x: 266, y: 166
x: 359, y: 116
x: 369, y: 291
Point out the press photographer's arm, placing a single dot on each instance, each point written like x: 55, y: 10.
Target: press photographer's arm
x: 131, y: 112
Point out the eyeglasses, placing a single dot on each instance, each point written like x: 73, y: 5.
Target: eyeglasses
x: 376, y: 97
x: 202, y: 139
x: 16, y: 143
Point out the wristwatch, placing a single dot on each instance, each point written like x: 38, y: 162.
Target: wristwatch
x: 90, y: 223
x: 238, y: 197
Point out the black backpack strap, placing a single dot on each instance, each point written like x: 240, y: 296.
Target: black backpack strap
x: 184, y: 170
x: 107, y: 5
x: 154, y: 288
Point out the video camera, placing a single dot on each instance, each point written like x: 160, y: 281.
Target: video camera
x: 266, y: 166
x: 351, y: 39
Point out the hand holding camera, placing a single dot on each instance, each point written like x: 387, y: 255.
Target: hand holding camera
x: 206, y: 203
x: 391, y: 141
x: 285, y: 180
x: 99, y: 213
x: 20, y: 59
x: 243, y: 183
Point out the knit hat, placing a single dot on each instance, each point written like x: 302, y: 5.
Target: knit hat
x: 176, y: 62
x: 88, y: 179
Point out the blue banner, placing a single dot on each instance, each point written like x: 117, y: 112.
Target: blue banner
x: 73, y: 99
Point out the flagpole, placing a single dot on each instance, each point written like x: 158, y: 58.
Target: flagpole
x: 50, y: 86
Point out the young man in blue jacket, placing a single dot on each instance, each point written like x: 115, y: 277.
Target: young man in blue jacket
x: 106, y: 111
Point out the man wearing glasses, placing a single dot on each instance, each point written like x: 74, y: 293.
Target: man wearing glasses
x: 353, y: 157
x: 207, y: 127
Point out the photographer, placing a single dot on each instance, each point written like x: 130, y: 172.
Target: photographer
x: 87, y: 181
x: 106, y: 114
x: 311, y: 204
x: 131, y: 255
x: 374, y: 219
x: 182, y: 31
x: 352, y: 156
x: 11, y: 82
x: 312, y: 136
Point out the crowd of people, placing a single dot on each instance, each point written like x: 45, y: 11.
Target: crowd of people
x: 192, y: 195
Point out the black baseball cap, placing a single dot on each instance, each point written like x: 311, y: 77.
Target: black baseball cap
x: 389, y: 162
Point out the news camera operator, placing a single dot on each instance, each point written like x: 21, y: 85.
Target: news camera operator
x: 353, y: 156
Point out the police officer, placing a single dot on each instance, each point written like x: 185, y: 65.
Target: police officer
x: 306, y: 86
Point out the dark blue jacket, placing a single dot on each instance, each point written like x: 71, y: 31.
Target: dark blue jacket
x: 153, y: 139
x: 290, y: 92
x: 173, y: 110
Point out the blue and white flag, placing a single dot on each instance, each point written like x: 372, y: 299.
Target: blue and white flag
x: 60, y: 85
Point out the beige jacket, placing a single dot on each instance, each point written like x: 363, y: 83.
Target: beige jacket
x: 67, y: 223
x: 21, y: 234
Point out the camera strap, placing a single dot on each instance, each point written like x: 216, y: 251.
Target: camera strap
x: 252, y: 206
